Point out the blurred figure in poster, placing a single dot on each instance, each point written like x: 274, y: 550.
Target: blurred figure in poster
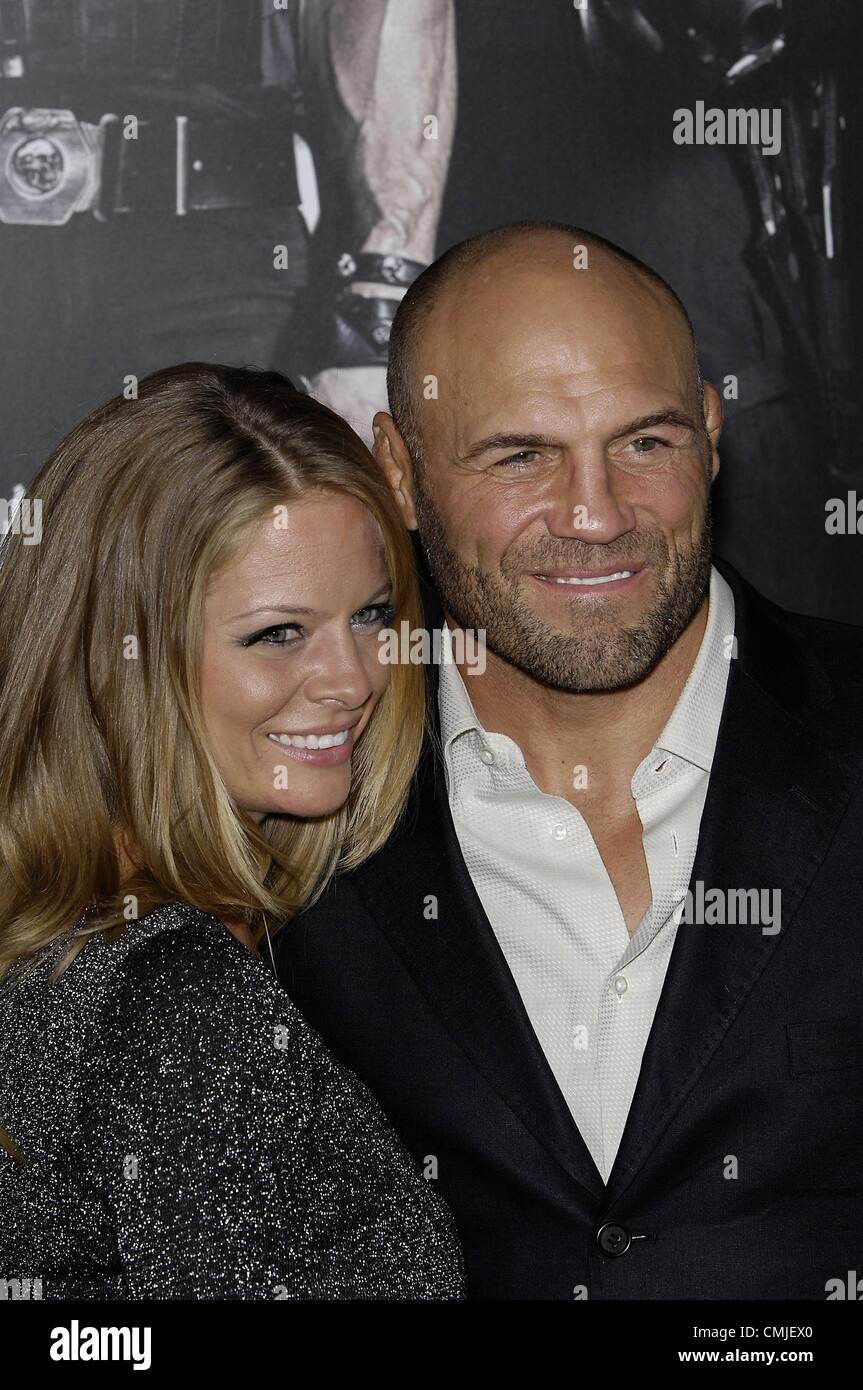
x: 163, y: 163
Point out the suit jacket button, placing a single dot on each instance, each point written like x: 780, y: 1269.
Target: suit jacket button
x: 613, y: 1240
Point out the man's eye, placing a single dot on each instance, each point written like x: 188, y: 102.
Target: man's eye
x: 649, y: 441
x: 523, y: 459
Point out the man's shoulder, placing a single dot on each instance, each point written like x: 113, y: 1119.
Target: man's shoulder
x: 837, y: 647
x: 340, y: 905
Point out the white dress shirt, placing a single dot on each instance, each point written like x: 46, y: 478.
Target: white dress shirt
x: 589, y: 989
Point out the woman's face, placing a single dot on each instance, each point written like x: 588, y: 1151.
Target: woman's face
x: 290, y: 649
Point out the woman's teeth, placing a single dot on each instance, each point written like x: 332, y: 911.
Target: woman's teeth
x: 311, y: 740
x: 595, y: 579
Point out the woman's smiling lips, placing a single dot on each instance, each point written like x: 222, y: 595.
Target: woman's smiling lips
x: 305, y: 748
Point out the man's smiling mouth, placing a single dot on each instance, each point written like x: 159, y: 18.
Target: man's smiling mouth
x: 586, y: 579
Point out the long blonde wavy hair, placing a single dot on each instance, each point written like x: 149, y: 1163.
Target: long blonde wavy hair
x: 141, y: 503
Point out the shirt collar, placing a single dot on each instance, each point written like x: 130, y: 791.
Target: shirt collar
x: 457, y: 714
x: 693, y: 724
x: 692, y: 728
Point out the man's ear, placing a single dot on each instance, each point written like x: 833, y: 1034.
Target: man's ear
x: 713, y: 424
x: 392, y: 456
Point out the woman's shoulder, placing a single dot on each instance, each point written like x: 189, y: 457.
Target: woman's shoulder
x: 173, y: 1016
x: 181, y: 964
x: 188, y: 1006
x: 176, y: 940
x: 175, y: 970
x: 171, y: 938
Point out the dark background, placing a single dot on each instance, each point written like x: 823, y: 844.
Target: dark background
x: 552, y: 120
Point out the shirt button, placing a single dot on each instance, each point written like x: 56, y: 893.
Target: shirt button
x: 621, y: 985
x: 559, y: 832
x: 486, y: 755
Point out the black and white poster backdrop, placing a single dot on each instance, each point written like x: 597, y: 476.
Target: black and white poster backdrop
x: 256, y: 181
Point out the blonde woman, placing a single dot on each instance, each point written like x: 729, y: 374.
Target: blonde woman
x: 195, y: 731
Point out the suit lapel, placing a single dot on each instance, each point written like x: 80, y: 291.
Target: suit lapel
x: 458, y: 965
x: 778, y: 788
x: 455, y: 959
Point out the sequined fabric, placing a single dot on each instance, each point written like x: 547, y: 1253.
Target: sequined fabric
x: 190, y: 1136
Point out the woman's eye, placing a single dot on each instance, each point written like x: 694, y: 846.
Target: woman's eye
x: 376, y: 615
x: 271, y: 637
x: 523, y: 459
x: 372, y: 616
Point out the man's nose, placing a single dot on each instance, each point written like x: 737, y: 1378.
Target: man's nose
x: 585, y: 502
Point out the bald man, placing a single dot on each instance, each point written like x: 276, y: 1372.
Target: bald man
x: 606, y: 978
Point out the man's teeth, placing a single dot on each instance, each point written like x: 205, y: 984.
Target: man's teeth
x: 311, y: 740
x: 595, y: 579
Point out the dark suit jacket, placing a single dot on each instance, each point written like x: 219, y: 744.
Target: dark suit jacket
x: 740, y: 1171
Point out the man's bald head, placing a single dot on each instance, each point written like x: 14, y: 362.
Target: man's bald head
x: 491, y: 252
x: 558, y: 469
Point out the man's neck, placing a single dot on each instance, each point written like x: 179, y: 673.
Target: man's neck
x: 584, y: 747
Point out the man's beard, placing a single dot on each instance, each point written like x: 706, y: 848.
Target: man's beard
x: 598, y: 653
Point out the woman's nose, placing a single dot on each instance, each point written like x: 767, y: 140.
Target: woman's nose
x: 342, y: 673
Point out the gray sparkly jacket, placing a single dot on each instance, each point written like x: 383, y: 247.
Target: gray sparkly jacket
x: 190, y: 1136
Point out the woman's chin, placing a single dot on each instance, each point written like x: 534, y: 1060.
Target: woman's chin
x: 305, y: 802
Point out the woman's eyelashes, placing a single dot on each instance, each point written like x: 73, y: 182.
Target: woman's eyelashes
x: 274, y: 636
